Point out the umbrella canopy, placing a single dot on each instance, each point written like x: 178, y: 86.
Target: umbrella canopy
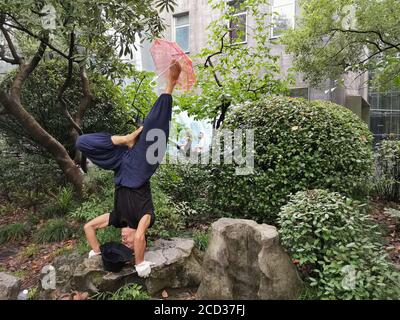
x: 163, y: 52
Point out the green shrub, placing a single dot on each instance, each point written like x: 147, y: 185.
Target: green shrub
x: 127, y: 292
x: 32, y: 219
x: 33, y: 293
x: 201, y: 239
x: 13, y: 232
x: 103, y: 235
x: 395, y: 215
x: 64, y: 200
x: 7, y: 208
x: 54, y: 230
x: 387, y: 175
x: 187, y: 184
x: 96, y: 180
x: 109, y: 234
x: 61, y: 205
x: 24, y: 178
x: 299, y: 145
x: 168, y: 219
x: 332, y: 238
x: 94, y: 206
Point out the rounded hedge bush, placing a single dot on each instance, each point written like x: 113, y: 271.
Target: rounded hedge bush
x: 299, y: 145
x: 387, y: 174
x: 335, y: 245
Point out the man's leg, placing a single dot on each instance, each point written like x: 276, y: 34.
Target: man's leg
x: 128, y: 140
x: 140, y: 238
x: 90, y: 230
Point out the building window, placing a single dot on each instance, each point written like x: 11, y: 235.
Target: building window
x: 283, y: 14
x: 238, y: 24
x: 385, y: 111
x: 182, y: 31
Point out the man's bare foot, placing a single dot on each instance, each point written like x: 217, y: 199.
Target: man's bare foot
x: 133, y: 137
x: 174, y: 71
x: 173, y: 75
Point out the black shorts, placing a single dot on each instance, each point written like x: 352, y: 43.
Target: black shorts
x: 130, y: 205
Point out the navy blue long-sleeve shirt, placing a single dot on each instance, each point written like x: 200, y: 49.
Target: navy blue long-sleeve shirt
x: 131, y: 166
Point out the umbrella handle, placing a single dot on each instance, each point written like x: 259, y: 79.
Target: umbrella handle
x: 153, y: 82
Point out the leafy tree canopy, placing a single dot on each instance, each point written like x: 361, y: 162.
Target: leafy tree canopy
x: 230, y: 70
x: 337, y: 36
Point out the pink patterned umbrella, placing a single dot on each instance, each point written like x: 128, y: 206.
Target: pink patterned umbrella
x: 163, y: 52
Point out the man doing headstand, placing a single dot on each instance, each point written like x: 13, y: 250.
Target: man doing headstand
x: 127, y: 156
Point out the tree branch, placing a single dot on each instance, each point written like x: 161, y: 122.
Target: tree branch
x: 61, y: 100
x: 208, y: 62
x: 10, y: 43
x: 25, y: 70
x: 87, y: 96
x: 391, y: 45
x: 6, y: 59
x: 20, y: 27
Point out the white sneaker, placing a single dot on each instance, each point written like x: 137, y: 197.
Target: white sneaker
x: 93, y: 254
x: 143, y: 269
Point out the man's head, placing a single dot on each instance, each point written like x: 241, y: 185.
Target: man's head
x: 128, y: 237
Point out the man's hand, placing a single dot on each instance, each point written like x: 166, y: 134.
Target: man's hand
x: 144, y: 269
x: 93, y: 253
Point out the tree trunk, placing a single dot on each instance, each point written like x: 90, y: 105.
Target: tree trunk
x: 85, y: 102
x: 56, y: 149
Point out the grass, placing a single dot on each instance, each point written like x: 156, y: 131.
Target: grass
x: 128, y: 292
x: 13, y: 232
x: 60, y: 252
x: 309, y: 293
x: 32, y: 219
x: 21, y: 274
x: 30, y: 251
x: 7, y: 208
x: 61, y: 205
x: 54, y: 230
x: 32, y: 293
x: 201, y: 239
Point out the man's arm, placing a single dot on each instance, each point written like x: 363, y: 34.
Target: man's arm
x: 90, y: 230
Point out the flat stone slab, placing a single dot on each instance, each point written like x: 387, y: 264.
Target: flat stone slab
x: 177, y: 265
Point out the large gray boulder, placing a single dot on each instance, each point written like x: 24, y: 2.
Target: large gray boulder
x: 9, y: 286
x: 177, y: 265
x: 244, y: 260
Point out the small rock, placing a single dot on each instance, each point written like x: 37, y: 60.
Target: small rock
x: 164, y: 294
x: 9, y: 286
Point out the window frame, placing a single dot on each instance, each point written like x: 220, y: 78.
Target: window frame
x: 175, y: 27
x: 273, y: 7
x: 300, y: 88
